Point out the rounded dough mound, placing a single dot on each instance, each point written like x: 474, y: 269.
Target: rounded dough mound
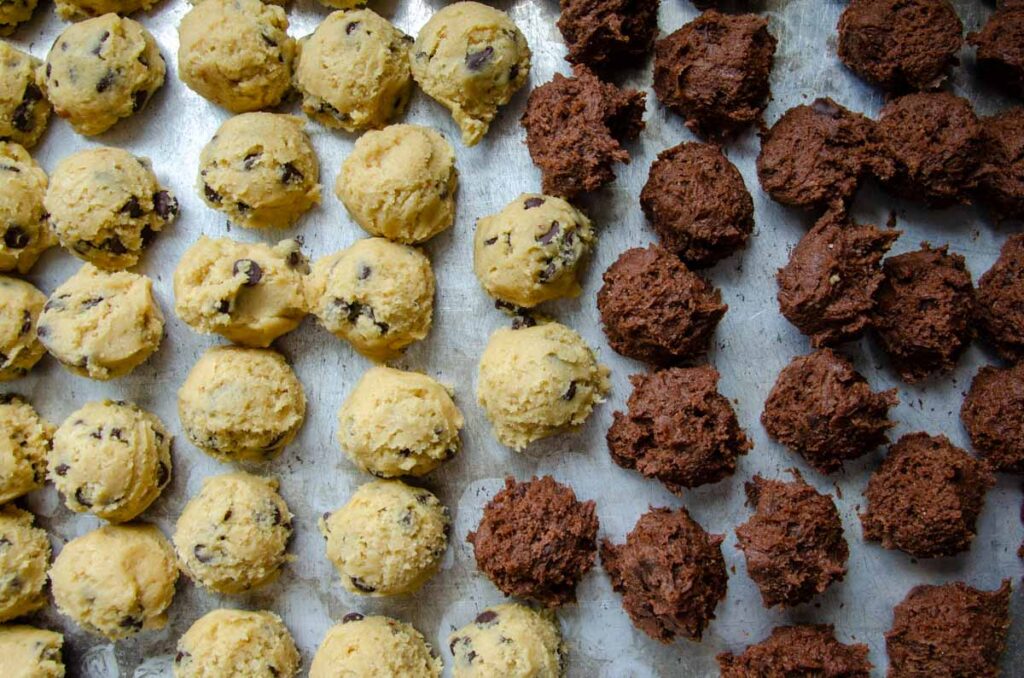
x: 397, y: 423
x: 236, y: 53
x: 249, y: 293
x: 20, y: 306
x: 260, y: 170
x: 24, y: 111
x: 101, y: 70
x: 233, y: 536
x: 344, y: 4
x: 24, y: 557
x: 225, y: 643
x: 25, y: 441
x: 377, y: 295
x: 112, y: 459
x: 116, y: 581
x: 530, y: 251
x: 14, y: 13
x: 471, y: 58
x: 75, y: 10
x: 388, y: 539
x: 380, y: 647
x: 537, y: 381
x: 102, y: 325
x: 353, y: 71
x: 106, y: 205
x: 26, y: 232
x: 241, y: 404
x: 28, y: 652
x: 509, y: 640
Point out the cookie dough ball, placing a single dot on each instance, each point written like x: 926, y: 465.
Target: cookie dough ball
x: 241, y: 404
x: 237, y: 54
x: 112, y: 459
x: 925, y: 313
x: 15, y: 13
x: 1000, y: 301
x: 26, y: 233
x: 949, y: 630
x: 1000, y: 55
x: 925, y: 497
x: 24, y: 557
x: 116, y: 581
x: 714, y: 71
x: 679, y: 429
x: 28, y: 652
x: 471, y: 58
x: 993, y: 414
x: 608, y: 33
x: 249, y: 293
x: 24, y: 110
x: 1001, y: 173
x: 102, y: 70
x: 237, y: 642
x: 576, y: 128
x: 798, y: 652
x: 76, y: 10
x: 377, y: 295
x: 353, y: 71
x: 20, y: 306
x: 102, y: 325
x: 25, y: 441
x: 530, y: 252
x: 509, y: 640
x: 397, y: 423
x: 670, y: 573
x: 538, y: 381
x: 374, y: 647
x: 106, y: 206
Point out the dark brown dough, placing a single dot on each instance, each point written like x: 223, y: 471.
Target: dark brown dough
x: 536, y: 540
x: 924, y: 317
x: 823, y: 409
x: 951, y: 630
x: 714, y: 71
x: 828, y: 288
x: 657, y: 310
x: 900, y: 44
x: 698, y: 204
x: 575, y: 128
x: 1000, y: 300
x: 993, y: 414
x: 608, y: 33
x: 806, y: 651
x: 1001, y: 175
x: 679, y: 429
x: 1000, y: 44
x: 670, y: 572
x: 925, y: 497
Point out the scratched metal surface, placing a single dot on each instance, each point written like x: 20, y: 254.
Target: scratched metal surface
x: 753, y: 343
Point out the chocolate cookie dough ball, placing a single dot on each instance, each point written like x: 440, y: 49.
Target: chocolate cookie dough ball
x: 714, y: 71
x: 949, y: 630
x: 925, y: 497
x: 106, y: 206
x: 509, y: 640
x: 241, y: 404
x: 1001, y: 173
x: 576, y: 128
x: 993, y: 414
x: 75, y: 10
x: 36, y: 653
x: 24, y: 111
x: 1000, y: 301
x: 397, y: 423
x: 538, y: 381
x: 116, y: 581
x: 25, y: 441
x: 536, y: 540
x: 1000, y: 44
x: 25, y: 221
x: 925, y: 312
x: 608, y: 33
x: 388, y: 539
x: 228, y: 642
x: 374, y: 646
x: 670, y: 573
x: 20, y: 348
x: 531, y: 251
x: 23, y: 560
x: 806, y: 651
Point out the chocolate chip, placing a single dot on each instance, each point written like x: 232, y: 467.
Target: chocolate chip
x: 133, y: 208
x: 550, y: 234
x: 513, y: 72
x: 4, y: 541
x: 270, y: 42
x: 202, y: 553
x: 117, y: 434
x: 547, y: 273
x: 42, y: 331
x: 477, y: 60
x: 521, y: 321
x: 405, y: 452
x: 62, y: 470
x: 253, y: 272
x: 486, y: 617
x: 165, y: 204
x: 290, y: 174
x: 249, y: 161
x: 530, y: 203
x: 211, y: 195
x: 180, y: 656
x: 26, y: 323
x: 97, y: 434
x: 113, y: 245
x: 277, y: 515
x: 22, y: 118
x: 105, y: 82
x: 91, y: 301
x: 139, y: 99
x: 32, y: 93
x: 364, y: 272
x: 142, y: 59
x: 570, y: 393
x: 352, y: 26
x: 130, y: 622
x: 223, y: 306
x: 361, y: 585
x: 81, y: 498
x: 163, y: 474
x: 351, y: 617
x: 16, y: 238
x: 242, y: 207
x: 491, y: 241
x: 99, y: 45
x: 147, y: 235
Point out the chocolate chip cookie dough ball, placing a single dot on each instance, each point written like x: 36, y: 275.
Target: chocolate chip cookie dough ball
x: 102, y: 70
x: 1001, y: 173
x: 531, y: 251
x: 26, y: 233
x: 249, y: 293
x: 24, y: 559
x: 374, y: 646
x: 116, y: 581
x: 993, y: 414
x: 14, y: 13
x: 670, y: 573
x: 241, y: 404
x: 76, y: 10
x: 24, y: 111
x: 377, y: 295
x: 1000, y: 301
x: 1000, y: 44
x: 20, y: 348
x: 25, y: 441
x: 388, y: 539
x: 227, y: 642
x: 106, y: 206
x: 608, y: 33
x: 538, y: 381
x: 509, y: 640
x: 798, y: 652
x: 28, y: 652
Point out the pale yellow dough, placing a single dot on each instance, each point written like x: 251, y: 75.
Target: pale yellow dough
x: 344, y: 4
x: 377, y: 295
x: 237, y: 644
x: 397, y: 423
x: 249, y: 293
x: 116, y: 581
x: 236, y: 53
x: 24, y: 557
x: 13, y: 13
x: 233, y: 536
x: 20, y: 348
x: 400, y: 182
x: 28, y: 652
x: 75, y: 10
x: 374, y: 647
x: 388, y: 539
x: 241, y: 404
x: 25, y: 441
x: 26, y: 231
x: 24, y: 111
x: 537, y: 381
x: 511, y: 641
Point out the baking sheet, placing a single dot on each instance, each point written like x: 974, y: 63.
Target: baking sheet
x: 753, y: 343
